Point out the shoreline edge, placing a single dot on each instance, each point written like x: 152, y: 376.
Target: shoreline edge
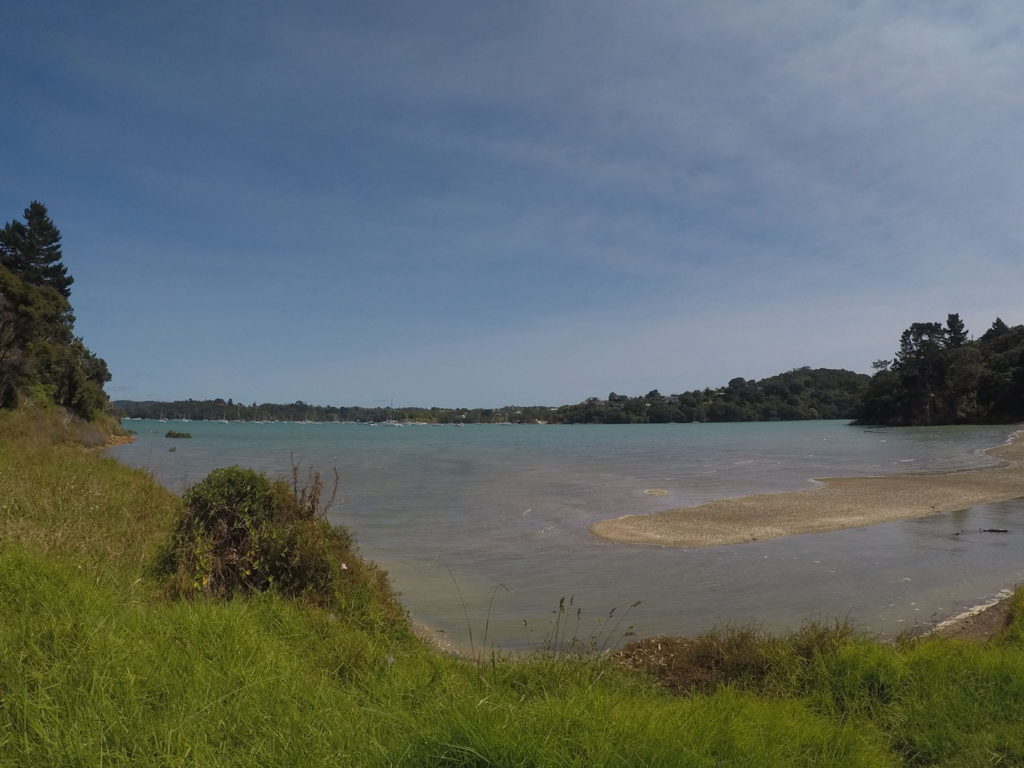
x: 838, y: 503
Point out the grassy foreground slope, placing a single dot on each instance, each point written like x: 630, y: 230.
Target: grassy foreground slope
x: 99, y: 667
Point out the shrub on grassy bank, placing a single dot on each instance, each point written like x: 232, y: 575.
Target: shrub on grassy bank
x: 41, y: 422
x: 241, y: 533
x: 93, y: 676
x: 98, y: 668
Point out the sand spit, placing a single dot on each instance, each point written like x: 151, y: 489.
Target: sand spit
x: 840, y: 502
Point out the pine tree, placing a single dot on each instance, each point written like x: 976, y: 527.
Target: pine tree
x: 10, y: 236
x: 956, y: 332
x: 999, y: 328
x: 32, y: 250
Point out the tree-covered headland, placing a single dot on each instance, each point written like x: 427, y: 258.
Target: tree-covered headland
x: 939, y: 375
x: 942, y: 376
x: 40, y: 356
x: 804, y: 393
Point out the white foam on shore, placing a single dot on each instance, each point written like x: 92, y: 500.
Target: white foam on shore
x: 974, y: 611
x: 1013, y: 437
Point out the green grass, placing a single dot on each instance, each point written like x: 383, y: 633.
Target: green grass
x: 98, y: 667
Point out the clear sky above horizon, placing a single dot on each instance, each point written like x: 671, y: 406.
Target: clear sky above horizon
x: 488, y: 203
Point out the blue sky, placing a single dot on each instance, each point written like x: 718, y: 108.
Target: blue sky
x: 488, y: 203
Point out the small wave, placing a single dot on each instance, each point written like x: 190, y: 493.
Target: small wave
x: 655, y: 492
x: 973, y: 610
x: 1013, y: 437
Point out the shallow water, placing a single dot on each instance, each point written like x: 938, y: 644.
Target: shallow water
x: 503, y: 510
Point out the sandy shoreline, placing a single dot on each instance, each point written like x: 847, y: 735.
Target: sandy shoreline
x: 840, y: 502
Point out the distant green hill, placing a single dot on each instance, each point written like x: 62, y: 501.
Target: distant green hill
x: 804, y: 393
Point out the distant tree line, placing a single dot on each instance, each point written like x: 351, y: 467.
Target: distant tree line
x: 941, y: 376
x: 804, y: 393
x: 40, y: 355
x: 220, y: 409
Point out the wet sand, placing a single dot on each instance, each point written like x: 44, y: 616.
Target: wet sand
x: 840, y: 502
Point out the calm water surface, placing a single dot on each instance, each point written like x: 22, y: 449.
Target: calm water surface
x: 505, y: 509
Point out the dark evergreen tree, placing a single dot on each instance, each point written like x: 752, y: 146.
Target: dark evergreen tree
x: 31, y: 249
x: 998, y: 329
x: 956, y: 333
x: 940, y: 377
x: 40, y: 357
x: 921, y: 366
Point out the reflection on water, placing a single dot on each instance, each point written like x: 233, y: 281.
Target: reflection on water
x: 511, y: 505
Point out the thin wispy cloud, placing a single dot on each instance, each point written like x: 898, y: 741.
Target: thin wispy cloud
x: 474, y: 203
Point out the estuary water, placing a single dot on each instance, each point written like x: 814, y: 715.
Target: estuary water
x: 487, y: 525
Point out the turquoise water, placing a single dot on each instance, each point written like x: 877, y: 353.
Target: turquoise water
x: 504, y: 510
